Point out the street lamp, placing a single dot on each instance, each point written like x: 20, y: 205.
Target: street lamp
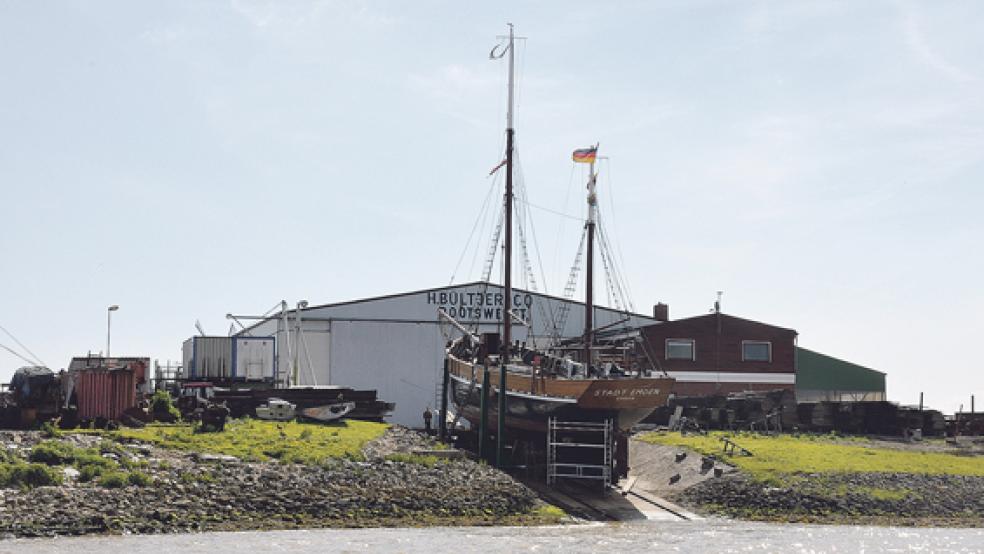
x: 297, y: 339
x: 109, y: 322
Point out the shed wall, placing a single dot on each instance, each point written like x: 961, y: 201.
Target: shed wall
x: 396, y: 344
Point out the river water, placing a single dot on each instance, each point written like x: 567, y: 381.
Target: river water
x: 698, y: 537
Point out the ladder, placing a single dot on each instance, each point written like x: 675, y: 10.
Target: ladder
x: 571, y: 445
x: 569, y: 289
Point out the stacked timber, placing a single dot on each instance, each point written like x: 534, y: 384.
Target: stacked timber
x: 816, y: 416
x: 765, y: 411
x: 969, y: 423
x: 368, y: 406
x: 880, y: 418
x: 777, y: 410
x: 909, y: 418
x: 934, y: 424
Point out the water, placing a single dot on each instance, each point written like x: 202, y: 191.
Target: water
x: 697, y: 537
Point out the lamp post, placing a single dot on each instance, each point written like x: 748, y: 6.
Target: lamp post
x: 109, y: 323
x: 297, y: 340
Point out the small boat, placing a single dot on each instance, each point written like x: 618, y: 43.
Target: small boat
x: 276, y: 409
x: 328, y: 412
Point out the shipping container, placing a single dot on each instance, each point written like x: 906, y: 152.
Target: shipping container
x: 230, y: 358
x: 139, y: 365
x: 106, y: 393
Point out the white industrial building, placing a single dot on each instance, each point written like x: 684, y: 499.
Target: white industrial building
x: 395, y: 343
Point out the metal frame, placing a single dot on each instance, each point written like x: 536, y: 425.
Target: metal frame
x: 557, y: 469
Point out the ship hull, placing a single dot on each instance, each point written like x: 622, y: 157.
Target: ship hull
x: 531, y: 402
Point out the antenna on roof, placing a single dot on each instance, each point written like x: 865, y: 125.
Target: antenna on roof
x: 717, y: 303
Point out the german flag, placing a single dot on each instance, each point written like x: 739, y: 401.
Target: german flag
x: 585, y: 155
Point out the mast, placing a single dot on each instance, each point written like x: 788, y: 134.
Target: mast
x: 507, y: 263
x: 589, y: 285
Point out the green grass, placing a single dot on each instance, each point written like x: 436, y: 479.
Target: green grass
x: 419, y: 459
x: 778, y: 456
x: 549, y: 511
x: 256, y: 440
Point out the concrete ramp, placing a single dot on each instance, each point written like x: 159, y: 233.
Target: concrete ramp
x: 616, y: 504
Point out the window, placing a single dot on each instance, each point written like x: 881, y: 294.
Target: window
x: 756, y: 351
x: 680, y: 349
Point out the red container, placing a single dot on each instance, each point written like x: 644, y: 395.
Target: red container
x: 104, y: 392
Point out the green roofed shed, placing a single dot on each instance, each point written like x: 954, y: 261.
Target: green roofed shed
x: 821, y: 377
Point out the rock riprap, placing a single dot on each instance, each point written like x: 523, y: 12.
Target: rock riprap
x: 199, y: 492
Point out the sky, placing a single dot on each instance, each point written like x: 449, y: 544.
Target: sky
x: 820, y: 163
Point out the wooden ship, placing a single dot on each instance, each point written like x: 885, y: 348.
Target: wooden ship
x: 570, y: 382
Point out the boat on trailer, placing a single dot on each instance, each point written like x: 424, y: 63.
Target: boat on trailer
x: 328, y: 412
x: 276, y: 409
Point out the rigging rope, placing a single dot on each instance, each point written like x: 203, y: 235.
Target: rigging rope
x: 478, y: 220
x: 8, y: 349
x: 37, y: 360
x: 618, y: 247
x: 615, y: 277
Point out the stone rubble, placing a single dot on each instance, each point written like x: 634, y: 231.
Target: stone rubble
x: 194, y: 492
x: 894, y: 498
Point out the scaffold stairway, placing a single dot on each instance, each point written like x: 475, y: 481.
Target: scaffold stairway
x: 589, y: 436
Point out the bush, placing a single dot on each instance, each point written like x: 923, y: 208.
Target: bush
x: 90, y: 472
x: 88, y: 460
x: 163, y: 408
x: 139, y: 479
x: 20, y: 474
x: 113, y: 480
x: 53, y: 453
x: 49, y: 431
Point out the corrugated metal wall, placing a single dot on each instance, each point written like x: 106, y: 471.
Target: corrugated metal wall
x: 230, y: 357
x: 104, y: 392
x: 207, y: 357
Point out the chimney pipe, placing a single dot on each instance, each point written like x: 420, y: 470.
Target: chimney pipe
x: 661, y: 312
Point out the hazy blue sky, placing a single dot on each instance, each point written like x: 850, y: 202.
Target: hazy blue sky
x: 821, y: 163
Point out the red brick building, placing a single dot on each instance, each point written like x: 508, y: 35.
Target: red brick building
x: 719, y: 353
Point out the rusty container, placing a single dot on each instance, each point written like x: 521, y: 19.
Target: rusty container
x: 104, y: 392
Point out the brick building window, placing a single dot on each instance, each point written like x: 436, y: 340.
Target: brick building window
x: 680, y: 349
x: 756, y: 351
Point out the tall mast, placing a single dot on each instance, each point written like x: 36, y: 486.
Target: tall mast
x: 589, y: 285
x: 507, y: 264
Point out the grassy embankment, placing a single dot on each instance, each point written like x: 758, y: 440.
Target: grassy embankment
x: 827, y: 479
x: 249, y: 440
x: 308, y: 444
x: 261, y: 441
x: 779, y: 458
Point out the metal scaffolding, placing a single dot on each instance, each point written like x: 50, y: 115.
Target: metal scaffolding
x: 572, y: 446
